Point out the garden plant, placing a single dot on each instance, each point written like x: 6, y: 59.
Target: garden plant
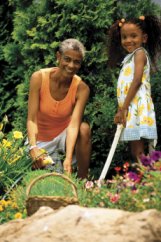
x: 27, y: 47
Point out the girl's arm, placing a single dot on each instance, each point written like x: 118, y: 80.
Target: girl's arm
x: 73, y: 128
x: 140, y: 60
x: 33, y: 107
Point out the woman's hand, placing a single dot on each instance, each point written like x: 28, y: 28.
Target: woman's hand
x: 121, y: 116
x: 67, y: 164
x: 37, y: 156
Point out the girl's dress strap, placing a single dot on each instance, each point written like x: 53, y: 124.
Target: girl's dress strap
x: 129, y: 56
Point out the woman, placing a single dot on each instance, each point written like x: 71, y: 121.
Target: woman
x: 57, y: 100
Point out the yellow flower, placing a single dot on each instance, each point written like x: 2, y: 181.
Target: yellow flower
x: 18, y: 215
x: 1, y: 208
x: 126, y: 88
x: 135, y: 100
x: 127, y: 71
x: 150, y: 121
x: 118, y: 92
x: 6, y: 203
x: 14, y: 159
x: 129, y: 116
x: 3, y: 202
x: 48, y: 160
x: 144, y: 121
x: 147, y: 120
x: 1, y: 126
x: 140, y: 109
x: 143, y: 77
x: 6, y: 143
x: 149, y: 106
x: 14, y: 205
x: 21, y: 151
x: 17, y: 135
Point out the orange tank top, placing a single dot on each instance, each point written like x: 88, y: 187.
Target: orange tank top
x: 54, y: 116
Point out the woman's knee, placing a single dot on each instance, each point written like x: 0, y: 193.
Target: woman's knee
x: 85, y: 130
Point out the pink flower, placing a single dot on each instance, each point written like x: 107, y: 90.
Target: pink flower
x: 89, y: 184
x: 133, y: 176
x: 126, y: 166
x: 146, y: 160
x: 114, y: 198
x: 117, y: 168
x: 155, y: 155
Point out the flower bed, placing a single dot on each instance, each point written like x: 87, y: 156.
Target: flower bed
x: 134, y: 187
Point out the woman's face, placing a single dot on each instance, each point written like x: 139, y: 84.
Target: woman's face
x: 69, y: 62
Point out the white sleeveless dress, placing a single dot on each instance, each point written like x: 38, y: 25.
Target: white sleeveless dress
x: 141, y: 122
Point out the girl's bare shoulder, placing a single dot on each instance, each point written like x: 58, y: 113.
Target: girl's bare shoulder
x: 140, y: 55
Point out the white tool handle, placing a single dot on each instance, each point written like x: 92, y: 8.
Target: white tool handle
x: 111, y: 153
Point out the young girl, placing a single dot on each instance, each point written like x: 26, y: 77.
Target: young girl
x: 141, y: 39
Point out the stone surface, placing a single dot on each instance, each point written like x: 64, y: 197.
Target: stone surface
x: 74, y: 223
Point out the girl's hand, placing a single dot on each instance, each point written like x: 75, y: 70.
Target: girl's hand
x: 121, y: 116
x: 67, y: 164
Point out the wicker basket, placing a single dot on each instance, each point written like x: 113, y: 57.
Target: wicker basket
x: 33, y: 203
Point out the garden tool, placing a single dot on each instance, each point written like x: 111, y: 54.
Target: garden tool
x: 112, y: 150
x: 152, y: 145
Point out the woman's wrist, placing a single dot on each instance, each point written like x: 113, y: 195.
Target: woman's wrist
x: 69, y: 159
x: 31, y: 147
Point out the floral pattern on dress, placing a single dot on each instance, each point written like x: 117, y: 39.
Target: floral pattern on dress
x: 141, y: 122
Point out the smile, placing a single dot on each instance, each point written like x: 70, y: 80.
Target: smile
x: 69, y: 71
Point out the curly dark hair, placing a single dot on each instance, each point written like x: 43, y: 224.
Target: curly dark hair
x: 150, y: 25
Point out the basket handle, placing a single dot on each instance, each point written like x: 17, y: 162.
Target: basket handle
x: 52, y: 174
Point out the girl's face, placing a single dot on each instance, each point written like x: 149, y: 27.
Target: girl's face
x: 69, y: 62
x: 132, y: 37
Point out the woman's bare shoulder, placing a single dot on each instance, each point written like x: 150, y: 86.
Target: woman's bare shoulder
x: 36, y: 79
x: 83, y: 87
x: 36, y: 75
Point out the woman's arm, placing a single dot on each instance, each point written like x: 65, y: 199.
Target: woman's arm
x: 33, y: 107
x: 76, y: 119
x: 139, y: 63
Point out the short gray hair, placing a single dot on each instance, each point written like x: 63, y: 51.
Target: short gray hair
x: 72, y: 44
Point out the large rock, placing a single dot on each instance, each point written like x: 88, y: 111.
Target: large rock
x: 74, y: 223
